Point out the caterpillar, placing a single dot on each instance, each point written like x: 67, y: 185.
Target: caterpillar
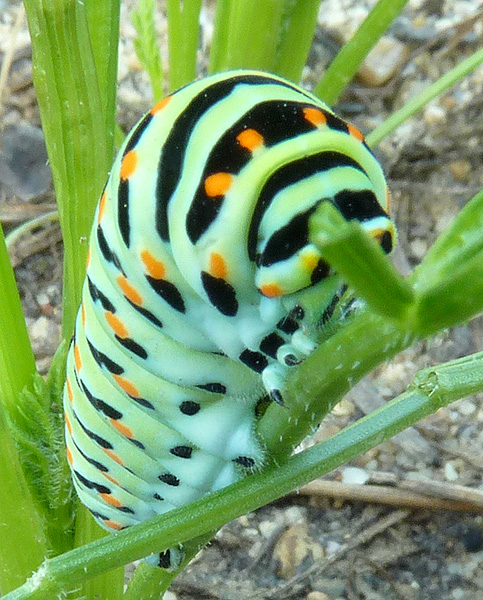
x: 203, y: 288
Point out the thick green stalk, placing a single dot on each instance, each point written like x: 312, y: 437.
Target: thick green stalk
x: 246, y: 35
x: 183, y: 34
x: 432, y: 389
x: 347, y: 62
x: 422, y: 99
x: 74, y: 119
x: 298, y: 28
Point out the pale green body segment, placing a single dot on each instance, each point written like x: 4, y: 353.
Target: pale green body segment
x: 203, y: 288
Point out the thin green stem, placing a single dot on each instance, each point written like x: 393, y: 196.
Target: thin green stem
x: 347, y: 62
x: 432, y: 389
x: 183, y: 34
x: 298, y: 28
x: 146, y: 44
x: 422, y: 99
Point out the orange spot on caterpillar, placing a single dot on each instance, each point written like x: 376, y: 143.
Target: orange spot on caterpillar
x: 83, y: 314
x: 129, y: 164
x: 88, y: 259
x: 112, y: 524
x: 250, y: 139
x: 116, y: 324
x: 354, y: 132
x: 160, y: 105
x: 77, y: 358
x: 129, y: 291
x: 218, y: 265
x: 110, y: 500
x: 218, y: 184
x: 115, y: 458
x: 69, y: 390
x: 271, y: 290
x: 70, y: 458
x: 315, y: 116
x: 102, y: 207
x: 67, y: 423
x: 127, y: 386
x: 154, y: 267
x: 111, y: 479
x: 127, y: 431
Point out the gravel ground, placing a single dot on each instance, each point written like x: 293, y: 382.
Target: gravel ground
x: 330, y: 542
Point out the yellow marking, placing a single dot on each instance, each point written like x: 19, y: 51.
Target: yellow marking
x: 127, y: 431
x: 83, y: 314
x: 310, y: 261
x: 129, y: 291
x: 88, y: 259
x: 315, y: 116
x: 77, y: 358
x: 218, y: 266
x: 115, y: 458
x: 67, y: 423
x: 218, y: 184
x: 271, y: 290
x: 127, y: 386
x: 102, y: 207
x: 69, y: 390
x: 250, y: 139
x: 70, y: 458
x: 160, y: 105
x: 354, y: 132
x: 116, y: 325
x: 129, y: 164
x: 110, y: 500
x: 154, y: 267
x: 111, y: 479
x: 112, y: 524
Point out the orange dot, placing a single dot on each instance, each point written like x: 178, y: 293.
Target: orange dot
x: 83, y: 314
x: 271, y: 290
x: 127, y: 386
x: 129, y: 164
x: 102, y: 207
x: 69, y: 390
x: 67, y: 423
x: 122, y: 428
x: 160, y: 105
x: 70, y: 458
x: 77, y: 358
x: 116, y: 325
x: 112, y: 524
x: 218, y: 265
x: 218, y: 184
x: 155, y: 267
x: 111, y: 479
x: 354, y: 132
x: 315, y: 116
x: 250, y: 139
x: 115, y: 458
x: 88, y: 259
x: 110, y: 500
x: 129, y: 291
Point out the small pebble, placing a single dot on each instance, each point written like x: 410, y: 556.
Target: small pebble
x: 354, y: 475
x: 434, y: 115
x: 317, y: 596
x: 460, y: 170
x: 450, y: 473
x: 383, y: 62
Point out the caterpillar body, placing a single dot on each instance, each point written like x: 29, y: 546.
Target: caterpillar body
x: 203, y: 288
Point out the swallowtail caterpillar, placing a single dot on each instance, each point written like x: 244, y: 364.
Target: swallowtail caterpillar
x: 203, y: 288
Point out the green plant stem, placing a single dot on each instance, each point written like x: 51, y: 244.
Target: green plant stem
x: 432, y: 389
x: 299, y: 22
x: 347, y: 62
x: 146, y: 45
x: 74, y: 118
x: 183, y: 34
x: 246, y: 35
x: 422, y: 99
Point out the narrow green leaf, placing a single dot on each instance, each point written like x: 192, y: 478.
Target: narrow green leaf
x: 146, y: 45
x: 183, y: 34
x: 347, y: 62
